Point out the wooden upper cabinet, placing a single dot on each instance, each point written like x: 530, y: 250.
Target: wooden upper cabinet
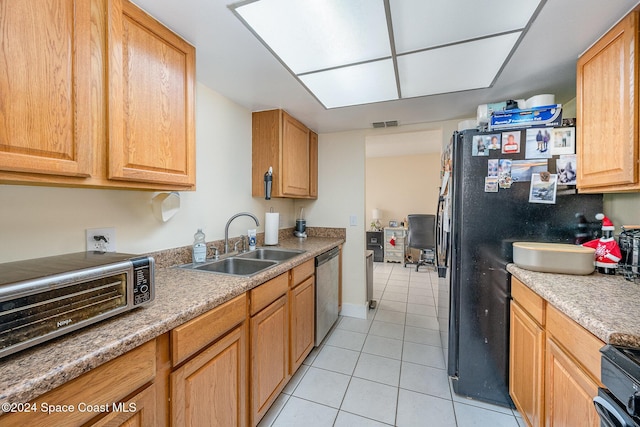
x: 94, y: 94
x: 291, y: 149
x: 295, y: 157
x: 607, y: 111
x: 151, y: 100
x: 45, y: 87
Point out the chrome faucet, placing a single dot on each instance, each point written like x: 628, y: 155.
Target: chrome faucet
x: 242, y: 242
x: 226, y: 227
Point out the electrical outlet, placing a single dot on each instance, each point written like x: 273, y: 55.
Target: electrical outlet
x: 101, y: 239
x: 353, y: 220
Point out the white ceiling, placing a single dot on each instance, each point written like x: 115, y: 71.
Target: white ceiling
x: 233, y: 62
x: 360, y: 51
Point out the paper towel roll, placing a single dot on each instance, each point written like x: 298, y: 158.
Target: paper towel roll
x: 541, y: 100
x: 271, y: 228
x: 483, y: 113
x: 467, y: 124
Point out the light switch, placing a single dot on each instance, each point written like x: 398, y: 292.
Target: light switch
x: 353, y: 220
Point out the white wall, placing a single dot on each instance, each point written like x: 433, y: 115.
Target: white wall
x: 402, y: 185
x: 622, y: 209
x: 43, y: 221
x: 340, y: 195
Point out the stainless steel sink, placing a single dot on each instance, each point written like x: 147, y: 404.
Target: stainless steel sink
x: 246, y: 264
x: 272, y: 254
x: 234, y: 265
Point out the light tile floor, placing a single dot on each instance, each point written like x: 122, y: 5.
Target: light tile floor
x: 385, y: 370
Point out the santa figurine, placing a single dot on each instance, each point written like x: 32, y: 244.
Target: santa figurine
x: 607, y: 249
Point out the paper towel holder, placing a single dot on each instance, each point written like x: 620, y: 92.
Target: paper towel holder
x: 165, y: 205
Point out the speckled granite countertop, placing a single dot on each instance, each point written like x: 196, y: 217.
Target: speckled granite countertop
x: 607, y: 306
x: 181, y: 295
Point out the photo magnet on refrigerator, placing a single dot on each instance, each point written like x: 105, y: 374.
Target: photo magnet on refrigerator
x: 491, y: 184
x: 511, y: 142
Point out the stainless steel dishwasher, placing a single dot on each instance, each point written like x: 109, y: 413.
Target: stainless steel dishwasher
x: 327, y: 276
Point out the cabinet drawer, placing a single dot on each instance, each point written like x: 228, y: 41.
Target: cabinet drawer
x: 531, y: 302
x: 191, y: 337
x: 268, y: 292
x: 579, y: 343
x: 301, y: 272
x: 103, y: 385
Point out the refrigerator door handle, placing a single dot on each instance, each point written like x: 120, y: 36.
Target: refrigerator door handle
x: 442, y: 246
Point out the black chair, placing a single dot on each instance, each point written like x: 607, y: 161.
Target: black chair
x: 421, y: 236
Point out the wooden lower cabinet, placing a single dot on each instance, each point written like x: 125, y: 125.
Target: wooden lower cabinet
x: 569, y: 391
x: 526, y: 365
x: 554, y: 364
x: 210, y: 389
x: 269, y: 355
x: 138, y: 411
x: 302, y: 309
x: 94, y: 391
x: 223, y: 368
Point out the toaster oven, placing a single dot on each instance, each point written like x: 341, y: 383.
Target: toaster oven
x: 44, y: 298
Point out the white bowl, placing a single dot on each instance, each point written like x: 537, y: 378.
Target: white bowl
x: 554, y: 257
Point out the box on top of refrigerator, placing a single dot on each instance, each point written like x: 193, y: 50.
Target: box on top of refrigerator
x: 548, y: 115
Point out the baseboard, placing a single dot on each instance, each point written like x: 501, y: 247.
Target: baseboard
x: 354, y: 310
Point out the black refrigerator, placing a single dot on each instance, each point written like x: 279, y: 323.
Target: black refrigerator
x: 478, y: 220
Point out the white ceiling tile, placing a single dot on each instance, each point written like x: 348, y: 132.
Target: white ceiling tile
x: 318, y: 34
x: 454, y: 68
x: 357, y: 84
x: 419, y: 24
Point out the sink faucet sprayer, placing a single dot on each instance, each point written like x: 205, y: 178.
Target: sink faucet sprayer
x: 226, y: 227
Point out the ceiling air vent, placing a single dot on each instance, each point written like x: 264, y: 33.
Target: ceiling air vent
x: 389, y: 124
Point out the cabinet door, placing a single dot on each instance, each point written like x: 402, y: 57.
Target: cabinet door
x: 210, y: 389
x: 302, y: 307
x: 45, y: 87
x: 569, y: 392
x: 269, y: 356
x: 313, y: 165
x: 101, y: 386
x: 526, y: 366
x: 295, y: 157
x: 151, y: 100
x: 607, y: 109
x: 139, y: 411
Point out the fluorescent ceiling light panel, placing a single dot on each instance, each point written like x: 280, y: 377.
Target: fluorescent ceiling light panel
x: 309, y: 35
x: 358, y: 84
x: 420, y: 24
x: 442, y: 70
x: 341, y: 49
